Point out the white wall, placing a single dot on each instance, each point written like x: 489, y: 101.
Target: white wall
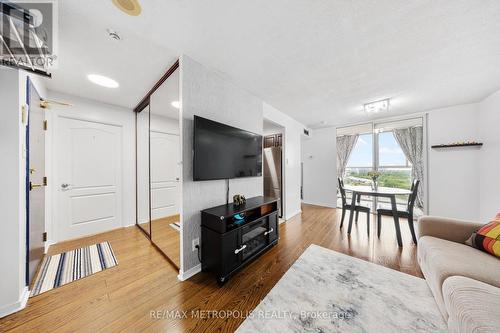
x: 13, y: 291
x: 319, y: 155
x: 271, y: 128
x: 99, y: 112
x: 205, y: 93
x: 489, y: 162
x: 453, y: 182
x: 12, y: 251
x: 453, y: 173
x: 292, y: 158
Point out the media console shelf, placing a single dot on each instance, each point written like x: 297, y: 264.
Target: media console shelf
x: 232, y: 236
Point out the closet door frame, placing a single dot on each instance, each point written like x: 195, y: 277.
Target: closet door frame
x: 148, y: 235
x: 141, y: 106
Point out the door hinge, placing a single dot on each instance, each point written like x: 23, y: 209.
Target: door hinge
x: 44, y: 181
x: 45, y: 124
x: 44, y: 104
x: 44, y: 236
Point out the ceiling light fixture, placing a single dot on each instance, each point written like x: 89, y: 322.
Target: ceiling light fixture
x: 176, y: 104
x: 377, y: 106
x: 103, y: 81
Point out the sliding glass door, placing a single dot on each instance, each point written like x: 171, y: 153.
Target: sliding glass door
x: 386, y: 147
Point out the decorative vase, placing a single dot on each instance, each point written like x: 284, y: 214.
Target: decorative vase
x: 375, y: 184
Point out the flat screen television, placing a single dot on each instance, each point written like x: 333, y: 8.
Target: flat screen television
x: 225, y: 152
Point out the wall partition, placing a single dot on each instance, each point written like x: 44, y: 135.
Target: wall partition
x: 394, y: 148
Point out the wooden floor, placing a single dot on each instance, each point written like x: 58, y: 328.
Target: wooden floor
x: 167, y: 238
x: 122, y: 298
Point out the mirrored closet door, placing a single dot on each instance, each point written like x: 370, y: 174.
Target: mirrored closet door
x: 165, y: 158
x: 159, y: 181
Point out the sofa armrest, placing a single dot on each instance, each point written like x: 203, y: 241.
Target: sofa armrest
x: 454, y: 230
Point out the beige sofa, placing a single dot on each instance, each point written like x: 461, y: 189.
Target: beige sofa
x: 464, y: 281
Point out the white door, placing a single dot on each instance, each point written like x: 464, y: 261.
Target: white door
x: 37, y: 182
x: 88, y: 173
x: 165, y: 174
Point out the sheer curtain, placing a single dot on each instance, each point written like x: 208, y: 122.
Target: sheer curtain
x: 411, y: 142
x: 345, y: 145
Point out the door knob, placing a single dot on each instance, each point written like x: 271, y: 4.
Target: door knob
x: 65, y: 186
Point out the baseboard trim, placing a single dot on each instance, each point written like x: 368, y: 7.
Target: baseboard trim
x: 183, y: 276
x: 319, y: 204
x: 294, y: 214
x: 48, y: 244
x: 17, y: 306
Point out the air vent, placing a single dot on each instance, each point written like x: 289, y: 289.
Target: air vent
x: 113, y: 34
x: 306, y: 132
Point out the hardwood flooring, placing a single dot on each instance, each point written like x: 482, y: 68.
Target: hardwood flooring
x: 123, y: 298
x: 167, y: 238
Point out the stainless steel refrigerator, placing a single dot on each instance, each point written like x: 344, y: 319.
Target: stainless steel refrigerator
x: 273, y: 174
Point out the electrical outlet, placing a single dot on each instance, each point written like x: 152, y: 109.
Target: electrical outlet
x: 196, y: 242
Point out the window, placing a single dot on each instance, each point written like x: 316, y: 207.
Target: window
x: 390, y: 153
x: 362, y: 154
x: 392, y: 162
x: 377, y: 149
x: 360, y: 161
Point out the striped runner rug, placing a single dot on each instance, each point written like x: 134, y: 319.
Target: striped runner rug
x: 63, y: 268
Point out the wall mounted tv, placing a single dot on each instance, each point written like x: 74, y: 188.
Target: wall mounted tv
x: 225, y: 152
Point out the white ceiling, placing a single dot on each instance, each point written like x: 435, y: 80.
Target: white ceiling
x: 85, y: 48
x: 314, y: 60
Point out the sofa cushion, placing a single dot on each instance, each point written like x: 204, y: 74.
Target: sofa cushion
x: 440, y: 259
x: 487, y: 238
x: 472, y: 306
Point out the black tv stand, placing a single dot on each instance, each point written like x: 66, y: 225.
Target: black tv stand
x: 232, y: 236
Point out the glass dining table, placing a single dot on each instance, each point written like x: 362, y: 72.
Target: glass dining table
x: 385, y: 192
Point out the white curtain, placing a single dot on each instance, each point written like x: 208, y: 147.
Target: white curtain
x: 345, y: 145
x: 412, y: 143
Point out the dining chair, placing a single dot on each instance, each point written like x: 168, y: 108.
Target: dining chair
x: 357, y: 208
x: 408, y: 213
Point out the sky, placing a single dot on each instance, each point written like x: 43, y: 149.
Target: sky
x: 390, y: 152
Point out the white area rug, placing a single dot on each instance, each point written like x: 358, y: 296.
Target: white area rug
x: 326, y: 291
x: 63, y: 268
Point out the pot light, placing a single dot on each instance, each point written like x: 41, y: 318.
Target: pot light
x: 103, y: 81
x: 377, y: 106
x: 176, y: 104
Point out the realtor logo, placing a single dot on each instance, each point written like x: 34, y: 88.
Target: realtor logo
x: 28, y: 34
